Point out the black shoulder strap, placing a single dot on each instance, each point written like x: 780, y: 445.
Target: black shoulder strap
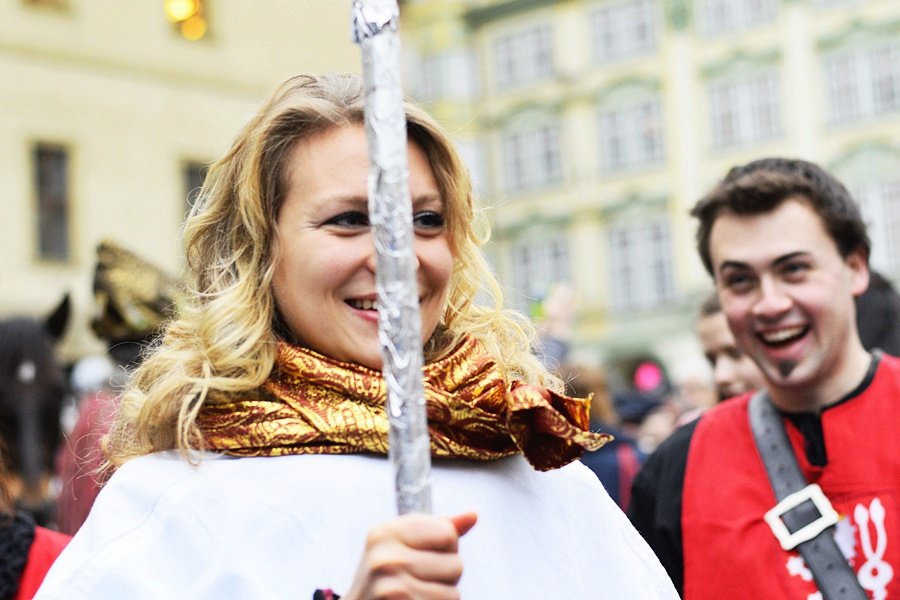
x: 803, y: 518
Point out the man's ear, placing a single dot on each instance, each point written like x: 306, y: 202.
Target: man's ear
x: 858, y: 263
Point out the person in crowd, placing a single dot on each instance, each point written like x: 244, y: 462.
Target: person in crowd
x: 788, y: 251
x: 878, y: 315
x: 693, y: 389
x: 734, y: 372
x: 651, y: 425
x: 555, y: 325
x: 133, y: 299
x: 618, y: 461
x: 26, y: 550
x: 250, y: 443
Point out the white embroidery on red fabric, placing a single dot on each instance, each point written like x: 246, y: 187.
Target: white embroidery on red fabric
x: 875, y: 573
x: 845, y: 538
x: 796, y: 566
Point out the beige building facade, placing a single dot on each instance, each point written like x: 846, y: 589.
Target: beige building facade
x: 592, y: 127
x: 108, y: 113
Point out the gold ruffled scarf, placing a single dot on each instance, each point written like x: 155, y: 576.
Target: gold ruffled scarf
x: 315, y: 405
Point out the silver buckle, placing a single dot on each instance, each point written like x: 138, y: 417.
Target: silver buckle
x: 827, y: 516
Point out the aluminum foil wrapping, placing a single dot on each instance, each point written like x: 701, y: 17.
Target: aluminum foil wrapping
x: 390, y: 213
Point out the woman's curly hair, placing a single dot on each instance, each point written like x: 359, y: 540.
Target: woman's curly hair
x: 223, y: 340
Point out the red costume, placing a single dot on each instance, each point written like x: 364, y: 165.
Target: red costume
x: 26, y: 554
x: 45, y: 548
x: 727, y: 544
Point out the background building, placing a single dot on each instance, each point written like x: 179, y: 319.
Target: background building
x: 110, y: 110
x: 592, y: 127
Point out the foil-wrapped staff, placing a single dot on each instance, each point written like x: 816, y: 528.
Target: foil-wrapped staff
x: 374, y: 24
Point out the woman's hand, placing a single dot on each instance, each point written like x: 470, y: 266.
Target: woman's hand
x: 412, y: 557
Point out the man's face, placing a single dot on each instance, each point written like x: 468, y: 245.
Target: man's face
x: 733, y: 371
x: 787, y: 294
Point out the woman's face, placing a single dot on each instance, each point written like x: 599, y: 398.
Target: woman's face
x: 324, y: 282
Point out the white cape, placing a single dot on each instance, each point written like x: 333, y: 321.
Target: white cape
x: 282, y: 527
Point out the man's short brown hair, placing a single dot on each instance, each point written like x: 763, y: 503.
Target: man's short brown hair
x: 762, y: 185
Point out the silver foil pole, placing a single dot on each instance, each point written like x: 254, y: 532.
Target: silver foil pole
x: 390, y: 212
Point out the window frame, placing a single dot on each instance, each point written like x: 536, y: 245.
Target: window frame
x: 642, y: 273
x: 523, y: 56
x: 52, y: 200
x: 638, y: 146
x: 537, y: 265
x: 617, y: 23
x: 737, y: 118
x: 722, y: 16
x: 532, y: 157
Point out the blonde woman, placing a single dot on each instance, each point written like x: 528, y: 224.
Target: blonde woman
x: 250, y: 448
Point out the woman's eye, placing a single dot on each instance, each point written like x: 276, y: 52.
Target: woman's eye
x: 428, y: 220
x: 350, y: 220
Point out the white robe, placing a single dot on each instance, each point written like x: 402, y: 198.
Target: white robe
x: 282, y: 527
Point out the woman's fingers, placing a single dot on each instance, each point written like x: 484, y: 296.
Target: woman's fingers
x: 404, y: 587
x: 464, y: 523
x: 388, y: 560
x: 413, y: 556
x: 426, y: 532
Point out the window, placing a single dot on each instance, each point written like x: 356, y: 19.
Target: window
x: 430, y: 78
x: 641, y: 265
x: 843, y: 90
x: 631, y: 137
x: 537, y: 266
x: 51, y: 184
x: 624, y: 29
x: 193, y: 174
x: 885, y: 77
x: 863, y: 81
x: 524, y: 57
x: 717, y: 16
x: 445, y: 75
x: 744, y: 110
x: 879, y: 202
x: 532, y: 158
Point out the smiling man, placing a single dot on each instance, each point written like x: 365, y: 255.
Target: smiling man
x: 788, y: 251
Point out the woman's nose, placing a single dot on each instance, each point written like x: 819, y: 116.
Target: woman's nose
x: 371, y: 261
x: 372, y: 258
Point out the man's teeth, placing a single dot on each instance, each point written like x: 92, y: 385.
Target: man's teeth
x: 782, y: 335
x: 362, y: 304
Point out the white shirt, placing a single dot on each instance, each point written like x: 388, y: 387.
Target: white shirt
x: 282, y: 527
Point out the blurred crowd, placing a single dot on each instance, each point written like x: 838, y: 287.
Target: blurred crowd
x: 53, y: 416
